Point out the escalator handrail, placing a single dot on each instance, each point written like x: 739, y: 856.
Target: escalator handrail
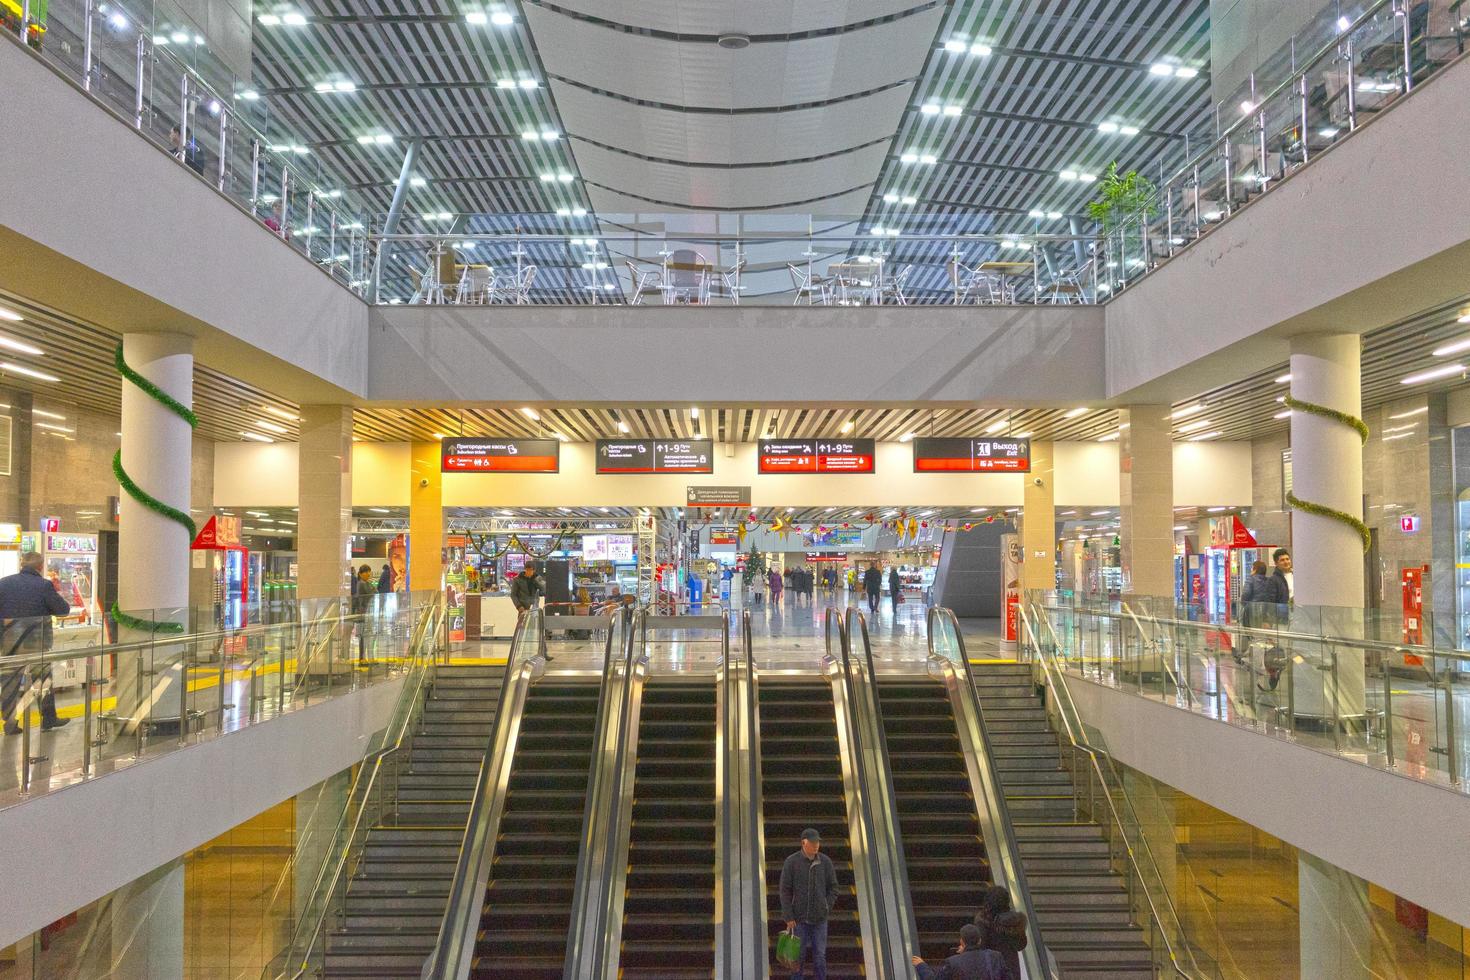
x: 1139, y: 852
x: 880, y: 772
x: 454, y: 948
x: 592, y: 934
x: 743, y: 874
x: 889, y: 955
x: 755, y: 809
x: 990, y: 798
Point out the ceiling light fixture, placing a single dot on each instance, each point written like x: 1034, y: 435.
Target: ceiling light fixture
x: 906, y: 437
x: 1180, y: 413
x: 10, y: 315
x: 506, y: 83
x: 501, y: 19
x: 47, y: 415
x: 1074, y: 413
x: 20, y: 346
x: 980, y: 50
x: 1207, y: 435
x: 280, y: 413
x: 27, y: 372
x: 1195, y: 426
x: 1107, y: 127
x: 256, y: 437
x: 271, y: 426
x: 477, y: 17
x: 1128, y: 130
x: 1421, y: 410
x: 955, y: 46
x: 1413, y: 379
x: 293, y: 19
x: 1283, y: 379
x: 1445, y: 351
x: 527, y: 84
x: 1282, y: 415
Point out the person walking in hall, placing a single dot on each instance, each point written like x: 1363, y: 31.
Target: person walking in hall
x: 1252, y: 595
x: 808, y: 892
x: 1274, y: 605
x: 363, y: 590
x: 1002, y: 929
x: 385, y: 580
x: 774, y: 579
x: 873, y: 587
x: 28, y: 600
x: 526, y: 590
x: 970, y: 961
x: 895, y: 589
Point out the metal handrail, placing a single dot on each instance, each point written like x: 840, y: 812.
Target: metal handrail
x: 454, y: 948
x: 753, y: 831
x: 1001, y: 846
x: 886, y: 947
x: 1055, y: 681
x: 334, y: 866
x: 596, y: 924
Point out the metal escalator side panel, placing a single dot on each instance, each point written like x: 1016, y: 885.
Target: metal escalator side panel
x: 1001, y: 847
x: 742, y: 893
x: 453, y: 955
x: 753, y: 829
x: 864, y: 874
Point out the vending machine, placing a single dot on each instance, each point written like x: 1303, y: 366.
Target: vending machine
x: 1226, y: 564
x: 232, y: 581
x: 70, y: 562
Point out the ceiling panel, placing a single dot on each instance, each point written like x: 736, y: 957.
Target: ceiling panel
x: 751, y: 17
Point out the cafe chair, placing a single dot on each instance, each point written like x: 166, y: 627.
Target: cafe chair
x: 730, y: 280
x: 816, y: 289
x: 474, y: 285
x: 892, y: 287
x: 688, y: 278
x: 642, y: 282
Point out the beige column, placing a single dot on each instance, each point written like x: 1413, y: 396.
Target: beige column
x: 425, y: 518
x: 324, y: 478
x: 1039, y: 522
x: 1146, y: 493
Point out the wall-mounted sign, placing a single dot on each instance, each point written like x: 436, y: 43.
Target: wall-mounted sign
x: 607, y: 547
x: 1409, y: 523
x: 1229, y: 532
x: 816, y: 456
x: 10, y: 535
x: 983, y: 454
x: 834, y: 537
x: 723, y: 535
x: 71, y: 544
x: 717, y: 497
x: 500, y: 456
x: 655, y: 456
x: 832, y: 556
x: 218, y: 532
x: 50, y: 525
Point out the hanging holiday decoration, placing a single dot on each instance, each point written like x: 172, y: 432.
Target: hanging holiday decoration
x: 142, y: 496
x: 1311, y: 506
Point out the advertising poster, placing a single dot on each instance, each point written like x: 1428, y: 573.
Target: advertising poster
x: 456, y: 584
x: 398, y: 562
x: 1010, y: 580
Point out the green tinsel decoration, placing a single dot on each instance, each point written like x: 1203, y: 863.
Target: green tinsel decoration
x: 1311, y: 408
x: 1322, y: 510
x: 143, y: 497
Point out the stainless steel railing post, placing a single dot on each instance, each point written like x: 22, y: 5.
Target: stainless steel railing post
x: 87, y: 23
x: 183, y: 695
x: 1336, y: 700
x: 1402, y: 12
x: 142, y: 55
x: 25, y: 20
x: 1452, y: 747
x: 24, y: 716
x: 1351, y: 88
x: 1306, y: 153
x: 1388, y: 717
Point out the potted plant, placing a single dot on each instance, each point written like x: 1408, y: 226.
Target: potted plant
x: 1124, y: 201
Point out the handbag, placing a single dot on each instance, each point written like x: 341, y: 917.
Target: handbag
x: 788, y: 950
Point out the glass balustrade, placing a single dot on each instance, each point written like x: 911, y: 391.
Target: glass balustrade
x: 124, y: 702
x: 1338, y: 680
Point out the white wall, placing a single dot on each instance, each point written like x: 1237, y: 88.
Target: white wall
x: 1340, y: 811
x: 1205, y: 473
x: 75, y: 845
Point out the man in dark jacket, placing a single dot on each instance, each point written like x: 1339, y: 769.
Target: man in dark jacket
x: 873, y: 587
x: 808, y: 892
x: 525, y: 589
x: 895, y: 589
x: 970, y: 962
x: 28, y: 600
x: 385, y: 580
x: 1002, y: 929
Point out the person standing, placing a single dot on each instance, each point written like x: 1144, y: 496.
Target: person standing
x: 873, y: 587
x: 526, y: 590
x: 363, y: 590
x: 1002, y: 929
x: 385, y: 580
x: 758, y: 585
x: 774, y: 578
x: 28, y: 600
x: 808, y: 892
x: 1275, y: 607
x: 970, y: 961
x: 895, y: 589
x: 1282, y: 559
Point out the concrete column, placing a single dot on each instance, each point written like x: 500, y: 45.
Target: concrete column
x: 324, y: 474
x: 153, y: 550
x: 1327, y: 555
x: 1146, y: 493
x: 1335, y: 929
x: 425, y: 518
x: 1039, y: 522
x: 1327, y: 468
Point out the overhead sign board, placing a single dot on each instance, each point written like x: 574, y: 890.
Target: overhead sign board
x: 816, y: 456
x: 983, y: 454
x: 500, y: 456
x: 718, y: 497
x: 661, y: 456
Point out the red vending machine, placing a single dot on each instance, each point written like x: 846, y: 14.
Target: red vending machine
x: 1412, y: 582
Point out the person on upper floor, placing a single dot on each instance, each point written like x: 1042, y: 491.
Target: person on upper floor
x: 28, y: 600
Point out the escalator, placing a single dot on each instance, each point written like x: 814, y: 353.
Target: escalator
x: 528, y: 902
x: 669, y: 901
x: 942, y: 842
x: 802, y: 786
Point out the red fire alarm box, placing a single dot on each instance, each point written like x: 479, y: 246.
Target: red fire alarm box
x: 1412, y: 580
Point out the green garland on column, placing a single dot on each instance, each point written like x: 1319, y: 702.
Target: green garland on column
x: 1322, y: 510
x: 144, y: 497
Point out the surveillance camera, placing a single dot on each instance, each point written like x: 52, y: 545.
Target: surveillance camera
x: 1036, y: 480
x: 424, y: 482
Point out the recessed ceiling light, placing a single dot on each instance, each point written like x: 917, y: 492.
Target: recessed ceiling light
x: 437, y: 435
x: 505, y: 83
x: 27, y: 372
x: 53, y: 427
x: 622, y: 426
x: 179, y: 37
x: 1183, y: 72
x: 271, y: 426
x: 1421, y: 410
x: 930, y: 108
x: 579, y: 212
x: 1180, y: 413
x: 249, y: 95
x: 477, y: 17
x: 1074, y: 413
x: 1413, y: 379
x: 908, y: 158
x: 501, y: 19
x: 1195, y: 426
x: 527, y: 83
x: 1207, y: 435
x: 1068, y: 175
x: 980, y: 50
x: 20, y: 346
x: 928, y: 159
x: 997, y: 426
x: 906, y: 437
x: 955, y: 47
x: 890, y: 198
x: 953, y: 110
x: 256, y: 437
x: 1107, y: 127
x: 1128, y: 130
x: 909, y: 200
x: 293, y: 19
x: 1109, y: 437
x: 847, y: 427
x: 269, y: 20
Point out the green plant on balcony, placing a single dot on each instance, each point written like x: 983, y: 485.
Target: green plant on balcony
x: 1125, y: 201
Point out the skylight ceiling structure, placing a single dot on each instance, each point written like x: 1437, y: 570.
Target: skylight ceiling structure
x: 707, y: 119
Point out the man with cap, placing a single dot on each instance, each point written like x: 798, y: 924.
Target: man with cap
x: 808, y: 892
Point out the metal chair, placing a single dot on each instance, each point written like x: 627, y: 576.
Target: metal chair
x: 968, y: 283
x: 688, y: 278
x: 523, y: 284
x: 731, y: 281
x: 1066, y: 288
x: 892, y: 287
x: 474, y: 285
x: 813, y: 287
x: 642, y: 282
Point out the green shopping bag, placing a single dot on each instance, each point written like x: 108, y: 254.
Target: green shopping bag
x: 788, y: 950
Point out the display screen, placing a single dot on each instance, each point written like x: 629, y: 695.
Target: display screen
x: 607, y: 547
x: 979, y: 455
x: 816, y: 456
x: 655, y: 456
x: 500, y: 456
